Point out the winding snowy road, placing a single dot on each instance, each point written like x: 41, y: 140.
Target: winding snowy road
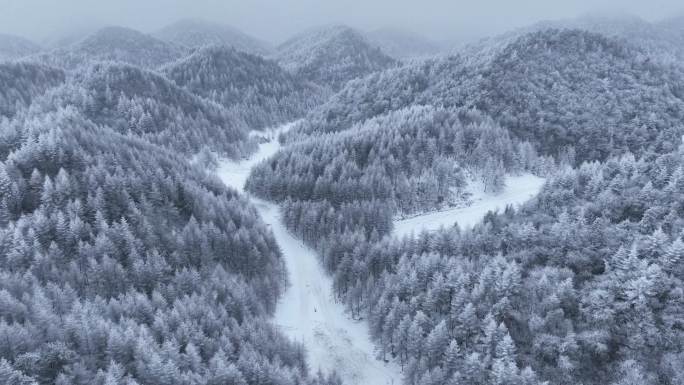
x: 518, y: 190
x: 307, y: 312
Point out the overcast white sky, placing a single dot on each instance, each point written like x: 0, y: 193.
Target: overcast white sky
x: 276, y: 20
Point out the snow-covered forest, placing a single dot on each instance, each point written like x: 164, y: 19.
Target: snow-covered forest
x: 195, y: 205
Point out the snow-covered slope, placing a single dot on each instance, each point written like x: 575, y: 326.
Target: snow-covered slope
x: 518, y: 190
x: 662, y: 41
x: 22, y: 82
x: 256, y: 89
x: 553, y: 88
x: 132, y: 100
x: 308, y: 313
x: 331, y: 56
x: 116, y: 44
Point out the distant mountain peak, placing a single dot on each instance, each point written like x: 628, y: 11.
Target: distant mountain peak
x: 119, y: 44
x: 194, y: 33
x: 332, y: 55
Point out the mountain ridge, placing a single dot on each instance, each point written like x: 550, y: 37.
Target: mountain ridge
x: 196, y: 33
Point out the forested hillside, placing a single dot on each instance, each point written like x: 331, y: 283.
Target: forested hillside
x: 661, y: 41
x: 254, y: 89
x: 123, y: 264
x: 21, y: 82
x: 581, y: 285
x: 331, y: 56
x: 135, y: 101
x: 120, y: 261
x: 115, y: 44
x: 16, y: 47
x: 656, y: 39
x: 413, y: 160
x: 573, y: 88
x: 193, y: 33
x: 563, y: 90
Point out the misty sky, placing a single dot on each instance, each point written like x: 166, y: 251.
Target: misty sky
x: 275, y: 20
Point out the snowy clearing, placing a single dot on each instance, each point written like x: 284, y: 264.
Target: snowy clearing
x: 518, y: 190
x: 235, y: 174
x: 307, y: 312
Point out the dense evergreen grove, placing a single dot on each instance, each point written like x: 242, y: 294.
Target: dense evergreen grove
x: 254, y: 89
x: 21, y: 82
x: 414, y: 160
x: 559, y: 89
x: 574, y: 88
x: 331, y: 56
x: 403, y: 44
x: 146, y: 104
x: 581, y: 285
x: 122, y: 264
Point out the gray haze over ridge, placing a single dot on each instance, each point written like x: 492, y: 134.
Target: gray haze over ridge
x: 277, y: 20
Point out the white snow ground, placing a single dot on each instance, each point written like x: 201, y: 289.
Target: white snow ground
x: 518, y: 190
x: 235, y: 174
x: 308, y: 312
